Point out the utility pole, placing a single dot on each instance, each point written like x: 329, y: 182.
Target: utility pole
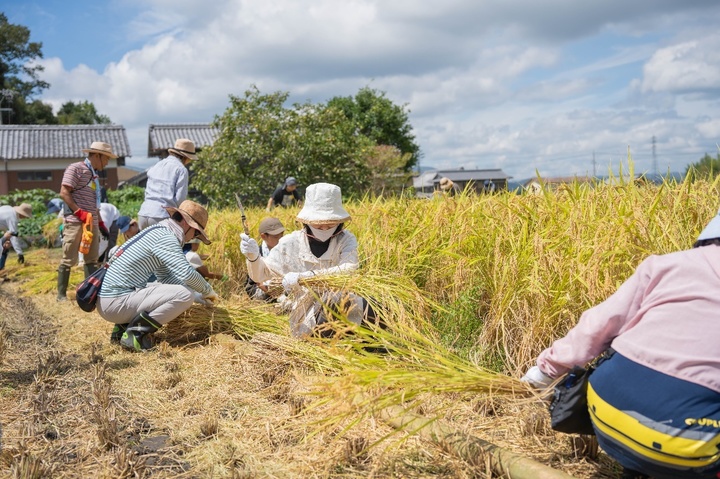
x: 5, y: 95
x: 594, y: 163
x: 655, y: 167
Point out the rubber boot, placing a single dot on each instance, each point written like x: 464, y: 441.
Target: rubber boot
x: 136, y: 336
x: 62, y: 282
x: 117, y: 332
x: 90, y: 268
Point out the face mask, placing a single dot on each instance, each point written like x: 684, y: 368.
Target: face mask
x: 322, y: 235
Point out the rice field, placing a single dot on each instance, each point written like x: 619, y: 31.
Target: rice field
x: 469, y: 289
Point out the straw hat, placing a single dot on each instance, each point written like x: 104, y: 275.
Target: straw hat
x: 102, y: 148
x: 184, y: 147
x: 323, y: 205
x: 195, y: 215
x: 24, y: 210
x: 271, y: 226
x: 445, y: 183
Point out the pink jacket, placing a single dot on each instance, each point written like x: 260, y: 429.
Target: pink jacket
x: 666, y: 316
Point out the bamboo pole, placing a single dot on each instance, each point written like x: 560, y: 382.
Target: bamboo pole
x: 472, y: 449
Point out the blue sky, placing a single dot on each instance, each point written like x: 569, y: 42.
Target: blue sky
x: 515, y: 84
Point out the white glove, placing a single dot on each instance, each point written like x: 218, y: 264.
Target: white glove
x: 536, y: 378
x: 211, y: 298
x: 291, y: 280
x: 198, y: 298
x: 249, y: 247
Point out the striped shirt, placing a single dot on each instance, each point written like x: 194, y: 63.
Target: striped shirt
x: 158, y: 252
x: 79, y: 178
x: 167, y: 185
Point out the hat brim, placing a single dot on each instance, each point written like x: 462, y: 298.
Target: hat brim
x: 191, y: 221
x: 275, y: 231
x: 183, y: 153
x: 22, y: 213
x: 92, y: 150
x: 712, y: 230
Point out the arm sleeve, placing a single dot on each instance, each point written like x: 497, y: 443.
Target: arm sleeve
x: 597, y: 328
x: 178, y: 270
x: 12, y: 225
x: 181, y: 190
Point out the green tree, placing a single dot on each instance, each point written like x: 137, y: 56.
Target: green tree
x: 81, y: 113
x: 387, y: 173
x: 381, y: 120
x: 708, y: 167
x: 261, y: 142
x: 19, y: 74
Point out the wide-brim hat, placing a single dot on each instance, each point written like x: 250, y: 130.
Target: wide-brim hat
x: 184, y: 147
x: 323, y: 205
x: 271, y: 226
x: 24, y: 210
x: 445, y: 183
x: 712, y: 230
x: 195, y: 215
x: 102, y: 148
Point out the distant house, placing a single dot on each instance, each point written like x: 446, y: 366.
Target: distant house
x: 536, y: 184
x: 480, y: 181
x: 163, y: 136
x: 35, y: 156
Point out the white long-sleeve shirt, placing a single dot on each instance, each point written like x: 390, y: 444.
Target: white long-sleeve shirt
x: 9, y: 222
x: 666, y: 317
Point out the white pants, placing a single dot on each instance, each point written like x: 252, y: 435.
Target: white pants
x: 164, y: 302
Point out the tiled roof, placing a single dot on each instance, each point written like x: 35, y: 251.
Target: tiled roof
x: 59, y: 141
x: 474, y: 175
x: 162, y: 137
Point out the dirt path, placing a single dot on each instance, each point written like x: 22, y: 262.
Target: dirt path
x: 75, y: 406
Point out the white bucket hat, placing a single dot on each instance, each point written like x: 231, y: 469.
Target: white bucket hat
x: 712, y: 230
x: 323, y: 205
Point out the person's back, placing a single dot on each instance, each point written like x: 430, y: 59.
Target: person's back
x: 167, y: 183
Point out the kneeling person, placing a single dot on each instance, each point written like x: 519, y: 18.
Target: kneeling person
x: 139, y: 308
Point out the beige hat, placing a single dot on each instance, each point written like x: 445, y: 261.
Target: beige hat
x: 445, y: 183
x: 184, y: 147
x: 102, y: 148
x: 323, y: 205
x: 24, y: 210
x: 271, y: 226
x: 195, y: 215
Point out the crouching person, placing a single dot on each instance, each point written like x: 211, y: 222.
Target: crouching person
x: 322, y: 247
x: 139, y: 308
x: 655, y: 403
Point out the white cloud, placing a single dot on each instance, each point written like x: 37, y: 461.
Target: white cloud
x: 488, y: 84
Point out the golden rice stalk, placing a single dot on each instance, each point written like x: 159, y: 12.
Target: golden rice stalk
x: 241, y: 316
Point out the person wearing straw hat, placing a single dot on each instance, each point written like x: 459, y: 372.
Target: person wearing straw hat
x: 80, y: 191
x: 137, y: 307
x: 655, y: 403
x: 285, y: 195
x: 10, y: 216
x: 167, y: 183
x: 271, y: 230
x: 322, y: 247
x: 448, y: 187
